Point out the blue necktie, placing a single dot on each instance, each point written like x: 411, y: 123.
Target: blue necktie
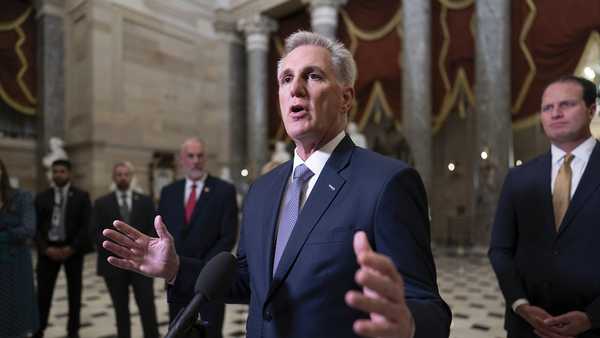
x: 290, y: 211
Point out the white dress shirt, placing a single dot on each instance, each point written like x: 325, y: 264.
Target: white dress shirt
x: 188, y: 188
x: 128, y: 196
x: 581, y: 156
x: 315, y: 162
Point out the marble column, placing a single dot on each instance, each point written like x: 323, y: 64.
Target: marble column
x: 493, y: 111
x: 236, y: 98
x: 416, y: 85
x: 257, y: 30
x: 324, y: 16
x: 51, y: 78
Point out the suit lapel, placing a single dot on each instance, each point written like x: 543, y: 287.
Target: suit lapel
x: 328, y: 185
x: 179, y: 208
x: 135, y: 199
x: 587, y: 185
x: 114, y: 206
x: 271, y: 213
x: 544, y: 181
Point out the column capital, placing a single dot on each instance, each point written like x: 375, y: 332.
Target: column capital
x: 227, y: 31
x: 257, y: 29
x: 49, y: 7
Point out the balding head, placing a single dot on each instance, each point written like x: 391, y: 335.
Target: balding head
x: 192, y: 158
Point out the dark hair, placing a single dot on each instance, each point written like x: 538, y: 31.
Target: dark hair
x: 588, y: 88
x: 6, y: 191
x: 62, y: 162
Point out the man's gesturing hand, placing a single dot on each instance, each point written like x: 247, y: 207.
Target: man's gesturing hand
x: 135, y: 251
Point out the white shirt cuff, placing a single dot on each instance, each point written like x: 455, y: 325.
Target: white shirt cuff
x: 518, y: 303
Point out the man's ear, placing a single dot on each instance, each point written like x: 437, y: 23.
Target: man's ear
x: 347, y: 98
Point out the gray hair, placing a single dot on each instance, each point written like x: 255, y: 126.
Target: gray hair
x: 341, y: 58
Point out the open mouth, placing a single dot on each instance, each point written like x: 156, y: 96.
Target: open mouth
x: 297, y: 108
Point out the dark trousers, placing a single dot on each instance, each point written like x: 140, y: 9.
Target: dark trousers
x: 212, y: 314
x: 118, y: 283
x: 47, y: 271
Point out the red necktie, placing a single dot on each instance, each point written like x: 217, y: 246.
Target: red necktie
x: 191, y: 203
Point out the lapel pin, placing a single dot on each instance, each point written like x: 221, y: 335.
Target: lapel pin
x: 206, y: 189
x: 331, y: 187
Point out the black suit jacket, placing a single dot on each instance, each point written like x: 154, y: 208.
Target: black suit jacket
x: 213, y: 227
x: 357, y: 190
x: 106, y: 210
x: 77, y: 219
x: 555, y: 271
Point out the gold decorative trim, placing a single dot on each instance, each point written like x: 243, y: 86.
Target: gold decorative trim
x: 377, y: 95
x: 355, y: 33
x: 461, y: 83
x: 456, y: 4
x: 16, y: 25
x: 594, y: 39
x: 527, y: 122
x: 461, y: 86
x: 532, y: 68
x: 14, y: 104
x: 17, y: 22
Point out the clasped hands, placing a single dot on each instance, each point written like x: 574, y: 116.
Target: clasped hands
x: 567, y: 325
x: 382, y: 294
x: 59, y: 254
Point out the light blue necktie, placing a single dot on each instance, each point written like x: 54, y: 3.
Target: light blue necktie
x: 290, y: 211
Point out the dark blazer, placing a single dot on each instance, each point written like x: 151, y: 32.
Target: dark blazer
x: 77, y: 219
x: 555, y: 271
x: 106, y: 210
x: 357, y: 190
x: 213, y: 227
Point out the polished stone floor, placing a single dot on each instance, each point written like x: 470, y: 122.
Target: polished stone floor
x: 466, y: 282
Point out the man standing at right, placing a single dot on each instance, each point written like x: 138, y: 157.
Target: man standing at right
x: 546, y: 230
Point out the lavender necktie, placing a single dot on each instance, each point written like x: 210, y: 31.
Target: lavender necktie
x: 290, y: 211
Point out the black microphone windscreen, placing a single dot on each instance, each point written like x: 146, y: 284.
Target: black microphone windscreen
x: 216, y: 277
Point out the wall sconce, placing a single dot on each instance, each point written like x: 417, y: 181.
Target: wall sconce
x: 244, y: 172
x: 518, y: 163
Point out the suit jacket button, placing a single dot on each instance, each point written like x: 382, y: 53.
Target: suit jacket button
x: 555, y: 252
x: 267, y: 315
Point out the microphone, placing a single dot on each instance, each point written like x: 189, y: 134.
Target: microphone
x: 213, y: 282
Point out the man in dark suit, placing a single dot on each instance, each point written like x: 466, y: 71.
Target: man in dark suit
x: 134, y: 208
x: 63, y: 214
x: 334, y: 243
x: 546, y: 231
x: 202, y: 214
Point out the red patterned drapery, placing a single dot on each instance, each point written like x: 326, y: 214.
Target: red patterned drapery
x: 17, y: 56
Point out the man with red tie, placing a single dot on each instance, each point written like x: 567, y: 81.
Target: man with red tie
x: 202, y: 214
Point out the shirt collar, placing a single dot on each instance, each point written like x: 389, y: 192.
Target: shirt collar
x: 63, y: 189
x: 316, y: 161
x: 188, y: 182
x: 128, y: 193
x: 582, y: 152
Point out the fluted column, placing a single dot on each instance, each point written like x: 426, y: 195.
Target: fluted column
x: 51, y: 77
x: 416, y: 84
x: 324, y: 16
x: 492, y: 92
x: 257, y: 30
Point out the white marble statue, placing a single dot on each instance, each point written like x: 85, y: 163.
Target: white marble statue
x: 358, y: 138
x: 279, y: 156
x: 57, y: 152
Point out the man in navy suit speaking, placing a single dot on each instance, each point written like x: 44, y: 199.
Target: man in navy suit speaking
x: 333, y: 243
x: 546, y: 230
